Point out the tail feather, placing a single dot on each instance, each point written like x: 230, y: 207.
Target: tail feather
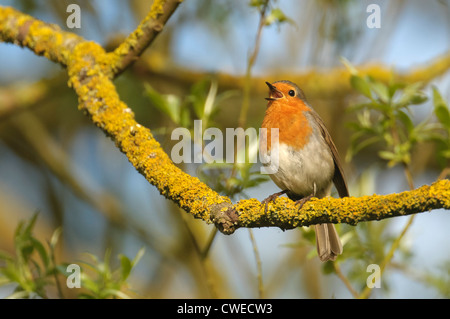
x: 328, y: 243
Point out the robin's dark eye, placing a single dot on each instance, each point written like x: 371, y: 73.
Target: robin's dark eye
x: 291, y: 93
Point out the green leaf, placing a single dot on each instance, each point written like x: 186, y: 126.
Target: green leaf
x: 168, y: 104
x: 441, y: 109
x: 41, y: 251
x: 173, y: 107
x: 198, y: 96
x: 55, y: 237
x: 185, y: 117
x: 411, y: 95
x: 364, y: 119
x: 380, y: 89
x: 25, y: 251
x: 406, y: 120
x: 89, y: 284
x: 257, y: 3
x: 138, y: 256
x: 349, y: 66
x: 277, y: 16
x: 382, y: 107
x: 443, y: 116
x: 104, y: 266
x: 18, y: 231
x: 12, y: 272
x: 387, y: 155
x: 29, y: 228
x: 389, y: 140
x: 208, y: 107
x: 125, y: 267
x: 418, y: 98
x: 361, y: 85
x: 392, y: 89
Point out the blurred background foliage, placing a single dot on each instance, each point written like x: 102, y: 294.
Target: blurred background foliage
x: 210, y: 63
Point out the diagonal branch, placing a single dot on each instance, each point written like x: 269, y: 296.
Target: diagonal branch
x: 133, y: 46
x: 90, y: 75
x: 90, y: 71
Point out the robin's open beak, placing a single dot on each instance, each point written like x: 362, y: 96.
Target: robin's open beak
x: 274, y: 93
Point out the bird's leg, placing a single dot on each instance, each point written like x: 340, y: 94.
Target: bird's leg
x: 302, y: 201
x: 271, y: 198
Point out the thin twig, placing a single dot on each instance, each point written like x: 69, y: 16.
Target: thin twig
x: 445, y: 172
x: 408, y: 175
x: 199, y: 253
x: 250, y: 63
x: 208, y: 245
x: 345, y: 280
x: 258, y: 265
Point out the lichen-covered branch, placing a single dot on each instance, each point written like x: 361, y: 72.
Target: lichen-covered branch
x: 285, y: 214
x: 90, y: 75
x: 133, y: 46
x: 40, y: 37
x: 91, y: 71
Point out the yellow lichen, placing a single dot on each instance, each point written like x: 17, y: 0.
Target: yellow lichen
x: 157, y: 8
x: 285, y: 214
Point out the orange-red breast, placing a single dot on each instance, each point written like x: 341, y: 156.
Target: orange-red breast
x: 308, y: 161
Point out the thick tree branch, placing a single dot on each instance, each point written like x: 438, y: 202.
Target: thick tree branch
x: 90, y: 71
x: 40, y: 37
x: 284, y: 213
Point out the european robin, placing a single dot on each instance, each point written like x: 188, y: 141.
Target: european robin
x: 308, y: 161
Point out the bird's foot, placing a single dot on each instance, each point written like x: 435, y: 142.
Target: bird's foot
x: 271, y: 198
x: 302, y: 201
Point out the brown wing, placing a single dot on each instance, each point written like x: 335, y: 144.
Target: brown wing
x: 339, y: 177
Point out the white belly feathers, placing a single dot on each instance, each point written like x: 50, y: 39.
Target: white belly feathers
x: 299, y: 170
